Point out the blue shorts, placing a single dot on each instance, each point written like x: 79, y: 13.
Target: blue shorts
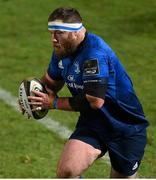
x: 125, y: 151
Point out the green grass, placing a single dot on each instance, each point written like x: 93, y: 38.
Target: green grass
x: 29, y: 150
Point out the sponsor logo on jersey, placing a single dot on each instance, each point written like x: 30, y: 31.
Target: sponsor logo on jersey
x: 91, y: 67
x: 77, y: 68
x: 70, y: 78
x: 74, y: 85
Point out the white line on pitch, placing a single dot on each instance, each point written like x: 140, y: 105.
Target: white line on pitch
x: 49, y: 123
x: 55, y: 126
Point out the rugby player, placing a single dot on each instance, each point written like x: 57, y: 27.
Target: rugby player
x: 111, y: 116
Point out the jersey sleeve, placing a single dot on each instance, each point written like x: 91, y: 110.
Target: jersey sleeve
x: 95, y: 73
x: 95, y: 65
x: 53, y: 70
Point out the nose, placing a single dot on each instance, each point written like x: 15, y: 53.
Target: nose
x: 54, y: 37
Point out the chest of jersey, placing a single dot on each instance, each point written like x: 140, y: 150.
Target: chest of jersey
x: 71, y: 72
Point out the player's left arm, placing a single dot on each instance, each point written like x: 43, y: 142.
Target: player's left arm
x: 95, y: 102
x: 95, y: 82
x: 95, y: 78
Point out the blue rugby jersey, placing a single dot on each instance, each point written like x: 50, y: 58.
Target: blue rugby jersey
x: 121, y: 106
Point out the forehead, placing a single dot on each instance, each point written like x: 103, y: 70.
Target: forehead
x: 58, y: 32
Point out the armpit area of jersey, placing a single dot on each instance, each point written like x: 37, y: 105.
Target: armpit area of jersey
x: 79, y: 103
x: 96, y: 87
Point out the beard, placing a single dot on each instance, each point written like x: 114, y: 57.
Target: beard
x: 64, y: 50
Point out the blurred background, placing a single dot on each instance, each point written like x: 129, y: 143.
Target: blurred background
x: 29, y: 149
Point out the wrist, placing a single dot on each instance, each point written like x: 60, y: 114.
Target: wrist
x: 54, y: 103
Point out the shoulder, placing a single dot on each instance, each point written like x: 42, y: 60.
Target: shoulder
x: 95, y: 41
x: 93, y: 47
x: 95, y: 44
x: 54, y: 60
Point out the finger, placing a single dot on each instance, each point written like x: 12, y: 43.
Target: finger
x: 38, y: 93
x: 37, y: 108
x: 21, y: 107
x: 28, y: 116
x: 23, y: 111
x: 35, y: 98
x: 18, y: 101
x: 35, y: 103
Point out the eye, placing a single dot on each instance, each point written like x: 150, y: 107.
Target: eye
x: 60, y: 32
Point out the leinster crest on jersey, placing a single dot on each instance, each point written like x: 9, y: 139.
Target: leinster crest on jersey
x: 76, y: 68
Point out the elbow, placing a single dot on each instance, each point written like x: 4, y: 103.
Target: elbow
x: 97, y: 104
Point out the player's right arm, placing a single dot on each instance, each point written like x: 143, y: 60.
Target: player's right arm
x: 47, y: 100
x: 54, y: 82
x: 54, y: 85
x: 53, y: 78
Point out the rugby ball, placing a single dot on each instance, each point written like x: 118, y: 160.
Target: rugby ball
x: 25, y: 90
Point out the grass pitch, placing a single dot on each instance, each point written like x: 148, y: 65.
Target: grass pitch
x: 28, y: 149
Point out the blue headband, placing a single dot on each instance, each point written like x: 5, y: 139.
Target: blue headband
x: 70, y: 27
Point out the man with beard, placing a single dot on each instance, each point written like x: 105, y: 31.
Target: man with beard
x: 111, y: 116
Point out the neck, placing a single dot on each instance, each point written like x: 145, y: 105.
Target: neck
x: 80, y: 39
x: 81, y: 36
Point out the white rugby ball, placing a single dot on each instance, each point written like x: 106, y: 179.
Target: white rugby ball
x: 25, y: 90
